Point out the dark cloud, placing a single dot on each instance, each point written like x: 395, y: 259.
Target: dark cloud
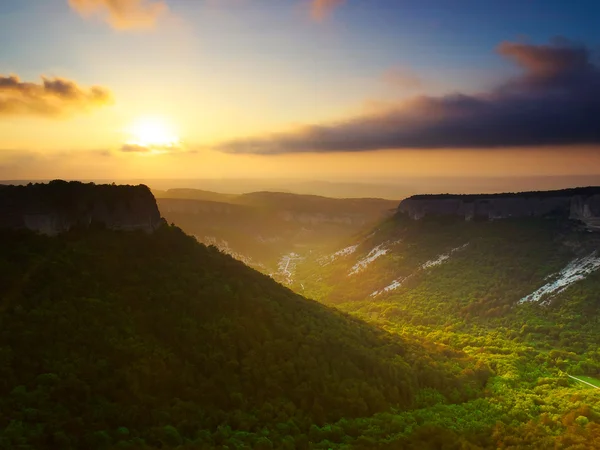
x: 53, y: 97
x: 555, y: 101
x: 321, y: 9
x: 123, y: 14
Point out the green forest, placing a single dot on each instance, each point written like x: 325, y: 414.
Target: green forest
x: 470, y: 303
x: 135, y: 340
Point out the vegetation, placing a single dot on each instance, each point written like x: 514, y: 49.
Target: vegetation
x: 134, y: 340
x: 65, y: 197
x: 470, y: 303
x: 590, y: 380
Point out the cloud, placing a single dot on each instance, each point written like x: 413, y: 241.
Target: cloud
x: 25, y: 164
x: 154, y: 149
x: 123, y: 14
x: 321, y: 9
x: 554, y: 101
x: 134, y: 148
x: 402, y: 78
x: 52, y: 97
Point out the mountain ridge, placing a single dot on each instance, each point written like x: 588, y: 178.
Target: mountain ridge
x: 582, y: 204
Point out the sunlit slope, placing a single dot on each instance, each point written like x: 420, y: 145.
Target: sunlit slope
x: 477, y: 267
x: 518, y: 295
x: 109, y: 337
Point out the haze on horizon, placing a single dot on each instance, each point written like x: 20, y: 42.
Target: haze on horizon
x: 380, y: 92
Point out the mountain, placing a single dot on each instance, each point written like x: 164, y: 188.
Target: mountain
x: 271, y: 231
x: 441, y: 333
x: 531, y: 236
x: 128, y: 339
x: 518, y: 291
x: 194, y: 194
x: 388, y: 189
x: 59, y: 206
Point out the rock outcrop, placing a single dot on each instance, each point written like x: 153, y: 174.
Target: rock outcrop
x: 581, y: 204
x: 59, y: 206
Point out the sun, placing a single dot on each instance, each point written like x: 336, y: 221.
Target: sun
x: 152, y: 132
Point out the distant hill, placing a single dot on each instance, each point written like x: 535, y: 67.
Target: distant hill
x: 195, y: 194
x: 389, y: 189
x: 267, y: 229
x: 277, y: 199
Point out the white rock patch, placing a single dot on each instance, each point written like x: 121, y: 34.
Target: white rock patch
x: 435, y: 262
x: 339, y: 254
x: 361, y: 265
x: 576, y: 270
x: 432, y: 263
x: 443, y: 257
x: 287, y: 266
x: 392, y: 286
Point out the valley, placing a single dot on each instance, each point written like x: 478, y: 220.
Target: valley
x: 270, y: 231
x: 518, y: 295
x: 392, y: 333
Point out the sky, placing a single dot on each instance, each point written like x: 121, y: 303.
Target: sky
x: 302, y: 89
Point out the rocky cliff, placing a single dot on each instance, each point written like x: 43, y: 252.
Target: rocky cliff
x: 59, y: 206
x: 579, y: 204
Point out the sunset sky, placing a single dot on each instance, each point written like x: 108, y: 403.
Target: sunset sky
x: 320, y: 89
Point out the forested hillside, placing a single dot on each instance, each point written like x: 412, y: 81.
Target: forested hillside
x: 127, y: 340
x: 539, y: 277
x: 520, y: 295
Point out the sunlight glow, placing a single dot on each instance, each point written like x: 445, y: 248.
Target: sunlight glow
x: 153, y: 132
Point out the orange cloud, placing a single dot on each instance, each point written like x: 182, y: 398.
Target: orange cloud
x: 52, y: 97
x: 154, y: 149
x: 321, y: 9
x: 122, y: 14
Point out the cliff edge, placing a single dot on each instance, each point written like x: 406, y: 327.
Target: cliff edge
x: 58, y: 206
x: 581, y: 204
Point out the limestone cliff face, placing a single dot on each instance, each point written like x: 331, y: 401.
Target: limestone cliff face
x: 59, y: 206
x: 580, y: 204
